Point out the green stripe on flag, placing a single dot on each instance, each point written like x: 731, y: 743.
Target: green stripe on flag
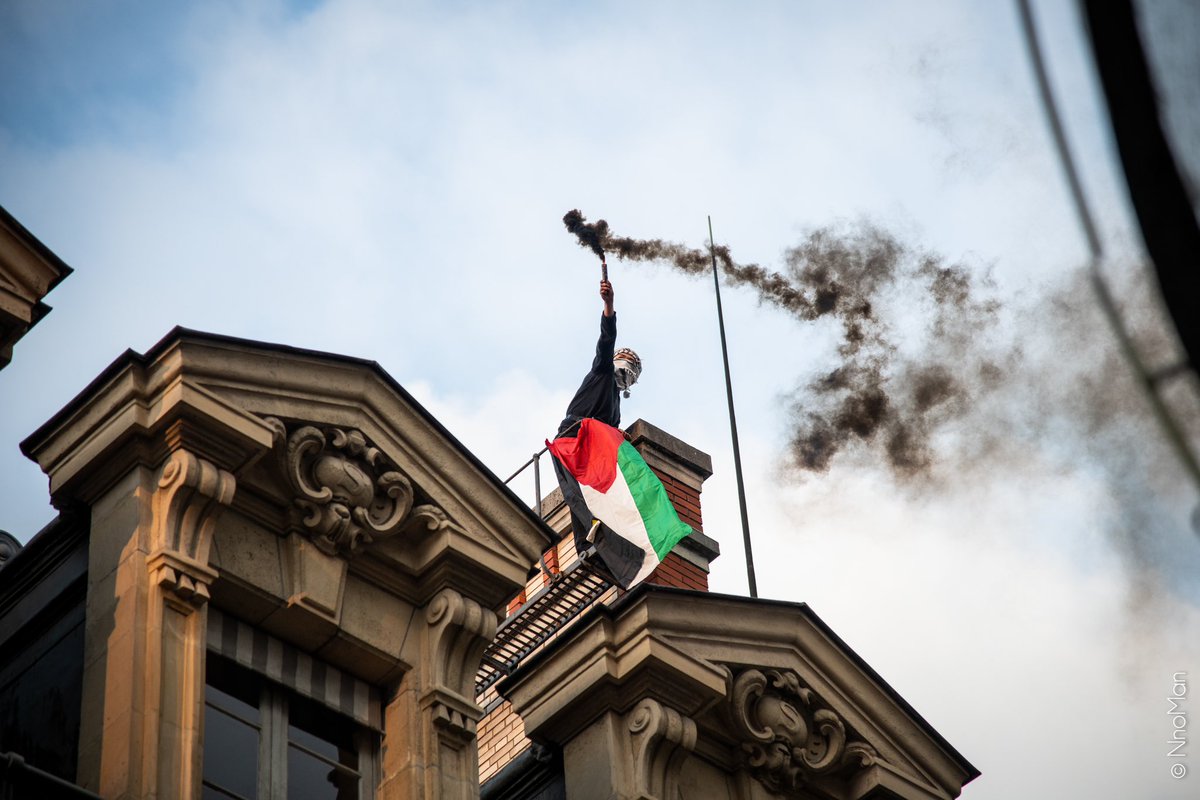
x: 663, y: 525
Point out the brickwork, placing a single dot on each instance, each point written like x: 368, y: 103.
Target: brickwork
x: 563, y: 554
x: 515, y: 604
x: 677, y: 571
x: 566, y: 550
x: 501, y: 739
x: 685, y: 499
x: 551, y: 558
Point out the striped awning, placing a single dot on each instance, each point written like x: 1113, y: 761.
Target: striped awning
x: 284, y: 664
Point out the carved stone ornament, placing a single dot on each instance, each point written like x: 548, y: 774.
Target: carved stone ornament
x: 662, y: 738
x: 345, y: 495
x: 787, y: 738
x: 459, y: 630
x: 190, y: 495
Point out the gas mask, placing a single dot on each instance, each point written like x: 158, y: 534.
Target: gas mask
x: 627, y: 367
x: 625, y: 377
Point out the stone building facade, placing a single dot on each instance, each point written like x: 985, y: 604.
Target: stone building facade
x: 297, y: 519
x: 275, y: 575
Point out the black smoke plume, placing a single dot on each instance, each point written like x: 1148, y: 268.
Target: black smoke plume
x: 940, y: 385
x: 591, y: 235
x: 876, y: 397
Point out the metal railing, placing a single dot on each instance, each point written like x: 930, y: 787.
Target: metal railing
x: 19, y: 779
x: 571, y: 592
x: 566, y: 593
x: 535, y: 460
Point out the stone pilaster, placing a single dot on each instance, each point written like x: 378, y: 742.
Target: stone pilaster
x: 430, y: 723
x: 142, y: 722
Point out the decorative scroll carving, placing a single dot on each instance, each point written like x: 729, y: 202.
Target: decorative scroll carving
x: 191, y: 493
x: 662, y: 739
x: 860, y: 754
x: 345, y: 494
x: 787, y: 738
x: 9, y: 546
x: 460, y: 629
x: 427, y: 517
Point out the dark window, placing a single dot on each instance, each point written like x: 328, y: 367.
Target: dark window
x: 322, y: 757
x: 264, y: 742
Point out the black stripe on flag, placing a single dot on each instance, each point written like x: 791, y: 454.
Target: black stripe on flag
x: 622, y: 558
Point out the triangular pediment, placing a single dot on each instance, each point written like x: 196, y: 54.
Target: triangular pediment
x: 775, y: 696
x: 794, y: 685
x: 411, y: 505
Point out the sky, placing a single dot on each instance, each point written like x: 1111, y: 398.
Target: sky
x: 387, y: 181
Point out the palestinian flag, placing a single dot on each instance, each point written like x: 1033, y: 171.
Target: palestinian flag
x: 617, y: 488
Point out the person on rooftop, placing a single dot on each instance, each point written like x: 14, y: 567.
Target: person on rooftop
x: 598, y: 397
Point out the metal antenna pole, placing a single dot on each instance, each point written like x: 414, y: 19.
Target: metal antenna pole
x: 737, y: 455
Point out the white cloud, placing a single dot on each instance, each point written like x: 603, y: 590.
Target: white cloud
x: 386, y: 182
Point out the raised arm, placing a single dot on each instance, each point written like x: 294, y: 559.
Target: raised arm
x: 608, y: 333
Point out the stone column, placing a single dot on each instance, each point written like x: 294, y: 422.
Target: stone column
x: 142, y: 723
x: 429, y: 725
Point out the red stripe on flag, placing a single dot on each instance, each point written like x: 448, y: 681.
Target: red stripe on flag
x: 590, y: 455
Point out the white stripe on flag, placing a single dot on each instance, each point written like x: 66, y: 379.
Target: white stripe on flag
x: 616, y: 509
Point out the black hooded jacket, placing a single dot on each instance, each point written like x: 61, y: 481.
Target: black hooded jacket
x: 598, y: 396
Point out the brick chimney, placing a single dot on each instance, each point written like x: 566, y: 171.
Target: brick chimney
x: 683, y: 470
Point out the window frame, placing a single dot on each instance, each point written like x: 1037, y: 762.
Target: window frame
x: 274, y: 703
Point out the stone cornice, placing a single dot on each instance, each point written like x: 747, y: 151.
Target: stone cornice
x: 139, y: 415
x: 435, y: 518
x: 28, y: 272
x: 791, y: 636
x: 258, y: 380
x: 594, y: 669
x: 22, y: 247
x: 607, y: 662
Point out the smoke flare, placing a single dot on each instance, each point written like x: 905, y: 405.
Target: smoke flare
x: 875, y: 397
